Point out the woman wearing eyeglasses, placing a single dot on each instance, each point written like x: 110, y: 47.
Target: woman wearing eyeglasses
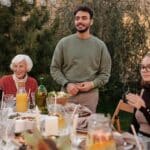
x: 141, y: 103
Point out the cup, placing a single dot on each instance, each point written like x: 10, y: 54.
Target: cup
x: 100, y: 133
x: 63, y: 118
x: 6, y: 127
x: 21, y: 102
x: 31, y: 104
x: 50, y: 100
x: 144, y: 141
x: 9, y: 101
x: 4, y: 114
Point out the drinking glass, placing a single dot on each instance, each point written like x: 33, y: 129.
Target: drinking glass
x: 9, y: 101
x: 100, y: 133
x: 145, y: 141
x: 31, y: 104
x: 50, y: 100
x: 4, y: 112
x: 63, y: 118
x: 4, y: 123
x: 6, y: 135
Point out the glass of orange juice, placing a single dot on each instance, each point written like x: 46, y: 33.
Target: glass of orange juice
x: 21, y: 102
x: 21, y: 98
x: 100, y: 133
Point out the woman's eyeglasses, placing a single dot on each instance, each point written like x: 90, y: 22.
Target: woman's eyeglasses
x: 146, y: 68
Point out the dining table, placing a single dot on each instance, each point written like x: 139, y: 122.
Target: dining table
x: 17, y: 125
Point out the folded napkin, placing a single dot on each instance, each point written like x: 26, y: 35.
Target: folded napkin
x: 83, y: 113
x: 81, y: 110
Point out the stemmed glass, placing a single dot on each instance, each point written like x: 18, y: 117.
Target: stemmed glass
x: 32, y: 104
x: 3, y: 123
x: 63, y: 118
x: 6, y: 125
x: 9, y: 102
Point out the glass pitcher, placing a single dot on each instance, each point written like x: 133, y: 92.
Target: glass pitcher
x: 100, y: 133
x: 21, y: 98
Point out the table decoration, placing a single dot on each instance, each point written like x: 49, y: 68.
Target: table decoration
x: 58, y: 97
x: 83, y: 115
x: 35, y: 140
x: 51, y: 126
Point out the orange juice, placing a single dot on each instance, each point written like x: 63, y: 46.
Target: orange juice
x: 98, y: 140
x: 21, y: 102
x: 105, y: 145
x: 61, y: 120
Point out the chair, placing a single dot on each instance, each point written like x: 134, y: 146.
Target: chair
x: 122, y: 106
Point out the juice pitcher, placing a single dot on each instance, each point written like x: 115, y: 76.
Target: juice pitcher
x: 21, y: 98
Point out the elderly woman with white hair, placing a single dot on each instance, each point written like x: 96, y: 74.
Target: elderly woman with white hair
x: 20, y: 65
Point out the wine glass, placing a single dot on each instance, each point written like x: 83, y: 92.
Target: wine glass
x: 63, y: 118
x: 31, y: 104
x: 4, y: 112
x: 9, y: 102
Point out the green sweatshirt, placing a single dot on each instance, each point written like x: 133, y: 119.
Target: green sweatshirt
x: 78, y: 60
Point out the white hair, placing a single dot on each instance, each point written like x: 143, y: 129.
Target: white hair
x: 21, y: 57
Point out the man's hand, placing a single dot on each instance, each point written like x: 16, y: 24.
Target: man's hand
x: 72, y: 89
x: 85, y: 86
x: 135, y: 100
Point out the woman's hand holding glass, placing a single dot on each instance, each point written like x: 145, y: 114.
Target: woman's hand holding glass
x: 135, y: 100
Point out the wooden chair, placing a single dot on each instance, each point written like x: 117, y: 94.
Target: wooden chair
x: 122, y: 106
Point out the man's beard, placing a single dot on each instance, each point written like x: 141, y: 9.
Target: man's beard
x: 82, y: 30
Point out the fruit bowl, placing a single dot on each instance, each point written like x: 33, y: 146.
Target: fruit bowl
x: 60, y: 97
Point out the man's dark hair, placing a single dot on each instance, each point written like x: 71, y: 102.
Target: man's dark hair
x: 84, y: 8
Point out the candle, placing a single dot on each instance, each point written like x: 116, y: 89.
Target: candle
x: 51, y: 125
x: 19, y: 126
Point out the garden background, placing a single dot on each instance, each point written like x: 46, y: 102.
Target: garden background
x: 34, y: 27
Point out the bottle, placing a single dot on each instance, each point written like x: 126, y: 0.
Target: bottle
x: 21, y: 98
x: 40, y: 96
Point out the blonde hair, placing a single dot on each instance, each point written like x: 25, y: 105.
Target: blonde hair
x: 20, y: 57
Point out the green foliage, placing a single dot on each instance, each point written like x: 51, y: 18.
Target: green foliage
x: 21, y: 26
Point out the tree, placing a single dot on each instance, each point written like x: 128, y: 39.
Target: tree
x: 119, y: 25
x: 21, y: 25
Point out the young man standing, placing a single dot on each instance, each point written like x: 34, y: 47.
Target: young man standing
x: 81, y: 62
